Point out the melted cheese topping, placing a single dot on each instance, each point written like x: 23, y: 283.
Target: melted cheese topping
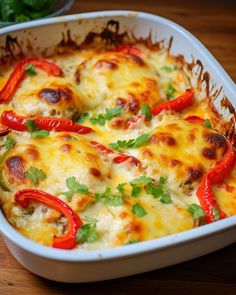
x: 95, y: 81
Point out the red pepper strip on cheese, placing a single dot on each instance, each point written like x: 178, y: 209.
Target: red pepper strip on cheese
x: 194, y: 119
x: 177, y: 104
x: 119, y: 158
x: 18, y: 75
x: 128, y: 49
x: 15, y: 122
x: 68, y: 241
x: 214, y: 176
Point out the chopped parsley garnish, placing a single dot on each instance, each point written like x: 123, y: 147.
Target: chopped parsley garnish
x: 170, y: 91
x: 159, y: 191
x: 138, y: 210
x: 33, y: 128
x: 143, y: 180
x: 82, y: 118
x: 40, y: 134
x: 35, y: 175
x: 139, y: 141
x: 31, y: 125
x: 136, y: 190
x: 216, y: 214
x: 132, y: 241
x: 110, y: 113
x: 196, y: 211
x: 88, y: 232
x: 169, y: 69
x: 9, y: 143
x: 145, y: 110
x: 109, y: 198
x: 75, y: 187
x: 30, y: 70
x: 207, y: 124
x: 121, y: 187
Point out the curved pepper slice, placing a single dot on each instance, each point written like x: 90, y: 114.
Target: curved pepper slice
x: 194, y: 119
x: 215, y: 175
x: 15, y: 122
x: 68, y: 241
x: 18, y: 75
x: 119, y: 158
x: 177, y: 105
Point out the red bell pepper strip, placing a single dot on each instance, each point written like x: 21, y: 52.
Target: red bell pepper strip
x: 215, y: 175
x: 18, y: 75
x: 128, y: 49
x: 68, y: 241
x: 131, y: 123
x: 177, y: 105
x: 119, y: 158
x: 15, y: 122
x: 194, y: 119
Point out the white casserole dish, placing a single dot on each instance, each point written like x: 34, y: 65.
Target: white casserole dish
x: 88, y: 266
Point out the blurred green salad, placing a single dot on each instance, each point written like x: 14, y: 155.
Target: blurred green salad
x: 24, y: 10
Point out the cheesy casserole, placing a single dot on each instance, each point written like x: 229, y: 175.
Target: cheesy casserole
x: 103, y: 147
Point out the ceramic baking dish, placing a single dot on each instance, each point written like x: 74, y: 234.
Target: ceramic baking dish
x: 87, y: 266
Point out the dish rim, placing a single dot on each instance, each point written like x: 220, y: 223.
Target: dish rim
x: 142, y: 247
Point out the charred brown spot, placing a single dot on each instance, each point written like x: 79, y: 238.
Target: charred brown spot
x: 15, y: 166
x: 65, y: 148
x: 65, y: 137
x: 55, y: 95
x: 95, y: 172
x: 32, y: 153
x: 117, y: 122
x: 134, y: 227
x: 147, y: 153
x: 209, y: 153
x: 175, y: 162
x: 164, y: 138
x: 194, y: 173
x: 77, y: 76
x: 106, y: 64
x: 121, y: 102
x: 133, y: 105
x: 137, y: 60
x: 215, y: 139
x: 191, y: 137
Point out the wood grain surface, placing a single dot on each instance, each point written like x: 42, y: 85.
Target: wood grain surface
x: 214, y: 24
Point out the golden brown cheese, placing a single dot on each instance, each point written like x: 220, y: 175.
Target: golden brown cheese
x: 112, y: 78
x: 96, y: 80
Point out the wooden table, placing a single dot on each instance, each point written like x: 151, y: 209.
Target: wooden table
x: 214, y: 23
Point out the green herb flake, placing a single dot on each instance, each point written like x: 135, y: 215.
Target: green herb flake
x: 40, y: 134
x: 169, y: 69
x: 216, y: 214
x: 159, y: 191
x: 142, y: 180
x: 82, y: 118
x: 121, y: 187
x: 9, y: 143
x: 207, y: 124
x: 31, y: 125
x: 170, y: 91
x: 75, y: 187
x: 145, y: 110
x: 108, y: 198
x: 138, y: 210
x: 196, y: 211
x: 88, y: 232
x: 136, y: 190
x: 113, y: 112
x: 30, y: 70
x: 100, y: 120
x: 139, y: 141
x: 35, y: 174
x: 132, y: 241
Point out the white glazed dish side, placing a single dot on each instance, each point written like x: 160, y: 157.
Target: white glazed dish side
x: 88, y: 266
